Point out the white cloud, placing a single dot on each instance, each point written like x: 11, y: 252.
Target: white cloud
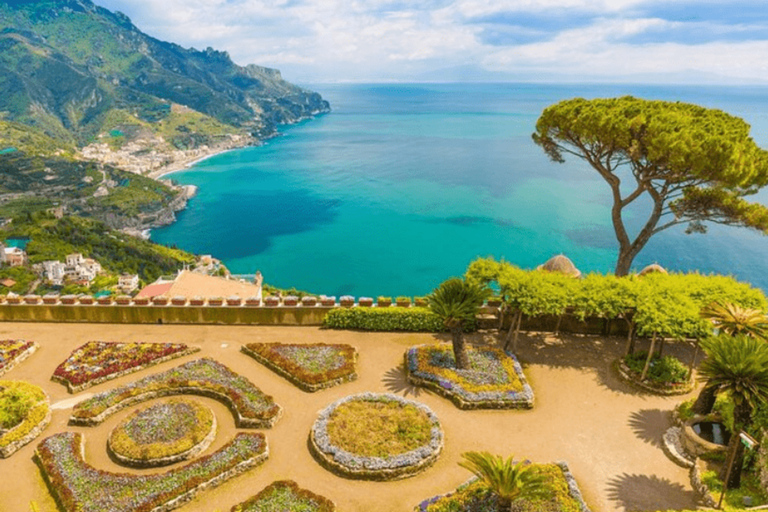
x: 386, y: 39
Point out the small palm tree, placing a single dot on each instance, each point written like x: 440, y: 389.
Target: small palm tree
x: 457, y: 301
x: 737, y: 365
x: 733, y: 319
x: 511, y: 482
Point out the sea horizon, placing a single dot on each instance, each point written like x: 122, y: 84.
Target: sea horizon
x: 354, y: 201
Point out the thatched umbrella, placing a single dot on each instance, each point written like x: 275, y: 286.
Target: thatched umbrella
x: 650, y: 269
x: 562, y: 264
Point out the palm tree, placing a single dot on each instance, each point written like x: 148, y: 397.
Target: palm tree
x: 737, y: 365
x: 457, y: 301
x: 510, y: 482
x: 733, y: 319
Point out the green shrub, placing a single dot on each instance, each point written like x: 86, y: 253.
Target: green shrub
x: 390, y: 319
x: 15, y: 404
x: 667, y: 369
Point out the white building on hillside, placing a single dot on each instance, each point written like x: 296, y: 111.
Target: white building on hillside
x: 128, y: 282
x: 54, y: 272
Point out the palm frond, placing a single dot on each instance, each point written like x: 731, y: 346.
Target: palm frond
x: 508, y: 480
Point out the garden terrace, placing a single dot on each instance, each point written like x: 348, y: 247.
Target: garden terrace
x: 163, y: 434
x: 310, y: 367
x: 376, y: 437
x: 79, y: 487
x: 285, y: 495
x: 24, y: 414
x: 206, y: 377
x: 13, y: 352
x: 99, y: 361
x: 565, y: 495
x: 494, y: 380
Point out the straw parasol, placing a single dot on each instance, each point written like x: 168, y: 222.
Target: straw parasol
x: 562, y: 264
x: 650, y: 269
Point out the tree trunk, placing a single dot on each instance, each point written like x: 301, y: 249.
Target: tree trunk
x: 661, y: 347
x: 630, y: 339
x: 557, y: 327
x: 650, y: 356
x: 517, y: 331
x: 741, y: 417
x: 504, y: 504
x: 693, y: 360
x: 459, y: 348
x: 705, y: 401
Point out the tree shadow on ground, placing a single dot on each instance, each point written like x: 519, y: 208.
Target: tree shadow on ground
x: 640, y: 493
x: 650, y: 425
x: 396, y: 381
x: 586, y: 352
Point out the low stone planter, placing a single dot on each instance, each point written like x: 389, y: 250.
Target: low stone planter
x: 382, y: 302
x: 630, y: 377
x: 309, y: 301
x: 68, y: 299
x: 122, y: 300
x: 291, y: 300
x: 328, y: 301
x: 365, y: 302
x: 272, y: 301
x: 344, y: 463
x: 50, y: 299
x: 141, y: 301
x: 196, y: 301
x: 347, y: 301
x: 13, y: 300
x: 160, y: 300
x: 234, y: 301
x: 215, y: 301
x: 31, y: 299
x: 420, y: 302
x: 85, y: 300
x: 105, y: 300
x: 252, y: 302
x: 402, y: 303
x: 179, y: 301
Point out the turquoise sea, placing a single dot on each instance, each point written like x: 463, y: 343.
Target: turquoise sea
x: 402, y: 186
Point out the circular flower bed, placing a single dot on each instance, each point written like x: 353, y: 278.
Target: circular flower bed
x: 162, y: 434
x: 376, y: 437
x: 666, y: 375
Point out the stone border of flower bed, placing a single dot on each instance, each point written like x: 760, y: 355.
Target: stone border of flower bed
x: 573, y: 490
x: 465, y: 399
x: 19, y: 357
x: 63, y: 486
x: 71, y: 388
x: 335, y: 377
x: 627, y: 375
x: 37, y: 419
x: 147, y: 462
x: 323, y: 503
x: 346, y: 464
x: 263, y: 419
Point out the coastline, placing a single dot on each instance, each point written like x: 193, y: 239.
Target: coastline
x: 186, y: 163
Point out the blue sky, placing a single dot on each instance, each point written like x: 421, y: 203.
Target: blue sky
x: 310, y: 41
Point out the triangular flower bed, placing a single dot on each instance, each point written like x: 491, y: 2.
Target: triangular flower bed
x: 310, y: 367
x: 79, y: 487
x: 99, y: 361
x: 12, y: 352
x: 494, y: 380
x: 206, y: 377
x: 285, y: 495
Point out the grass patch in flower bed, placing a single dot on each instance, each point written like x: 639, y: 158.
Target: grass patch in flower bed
x: 79, y: 487
x: 205, y: 377
x: 283, y: 496
x: 309, y: 367
x: 495, y: 379
x: 163, y: 434
x: 474, y: 496
x: 666, y: 375
x: 99, y: 361
x: 24, y: 413
x: 12, y: 352
x: 376, y: 437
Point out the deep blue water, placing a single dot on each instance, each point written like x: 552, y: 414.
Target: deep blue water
x: 402, y: 186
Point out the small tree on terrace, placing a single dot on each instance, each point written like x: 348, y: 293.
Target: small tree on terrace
x: 691, y: 164
x: 511, y: 482
x: 456, y: 302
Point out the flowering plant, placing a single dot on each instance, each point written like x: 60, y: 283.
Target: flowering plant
x: 285, y: 495
x: 12, y: 352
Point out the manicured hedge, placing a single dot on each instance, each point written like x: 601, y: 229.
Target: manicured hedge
x: 389, y: 319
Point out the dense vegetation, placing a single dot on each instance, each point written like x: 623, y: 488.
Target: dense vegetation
x: 53, y: 239
x: 666, y: 305
x: 384, y: 319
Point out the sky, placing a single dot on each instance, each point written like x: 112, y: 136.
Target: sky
x: 319, y: 41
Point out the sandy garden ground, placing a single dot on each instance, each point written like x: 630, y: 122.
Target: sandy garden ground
x: 609, y: 434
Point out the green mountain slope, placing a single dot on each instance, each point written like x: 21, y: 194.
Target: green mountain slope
x: 66, y: 66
